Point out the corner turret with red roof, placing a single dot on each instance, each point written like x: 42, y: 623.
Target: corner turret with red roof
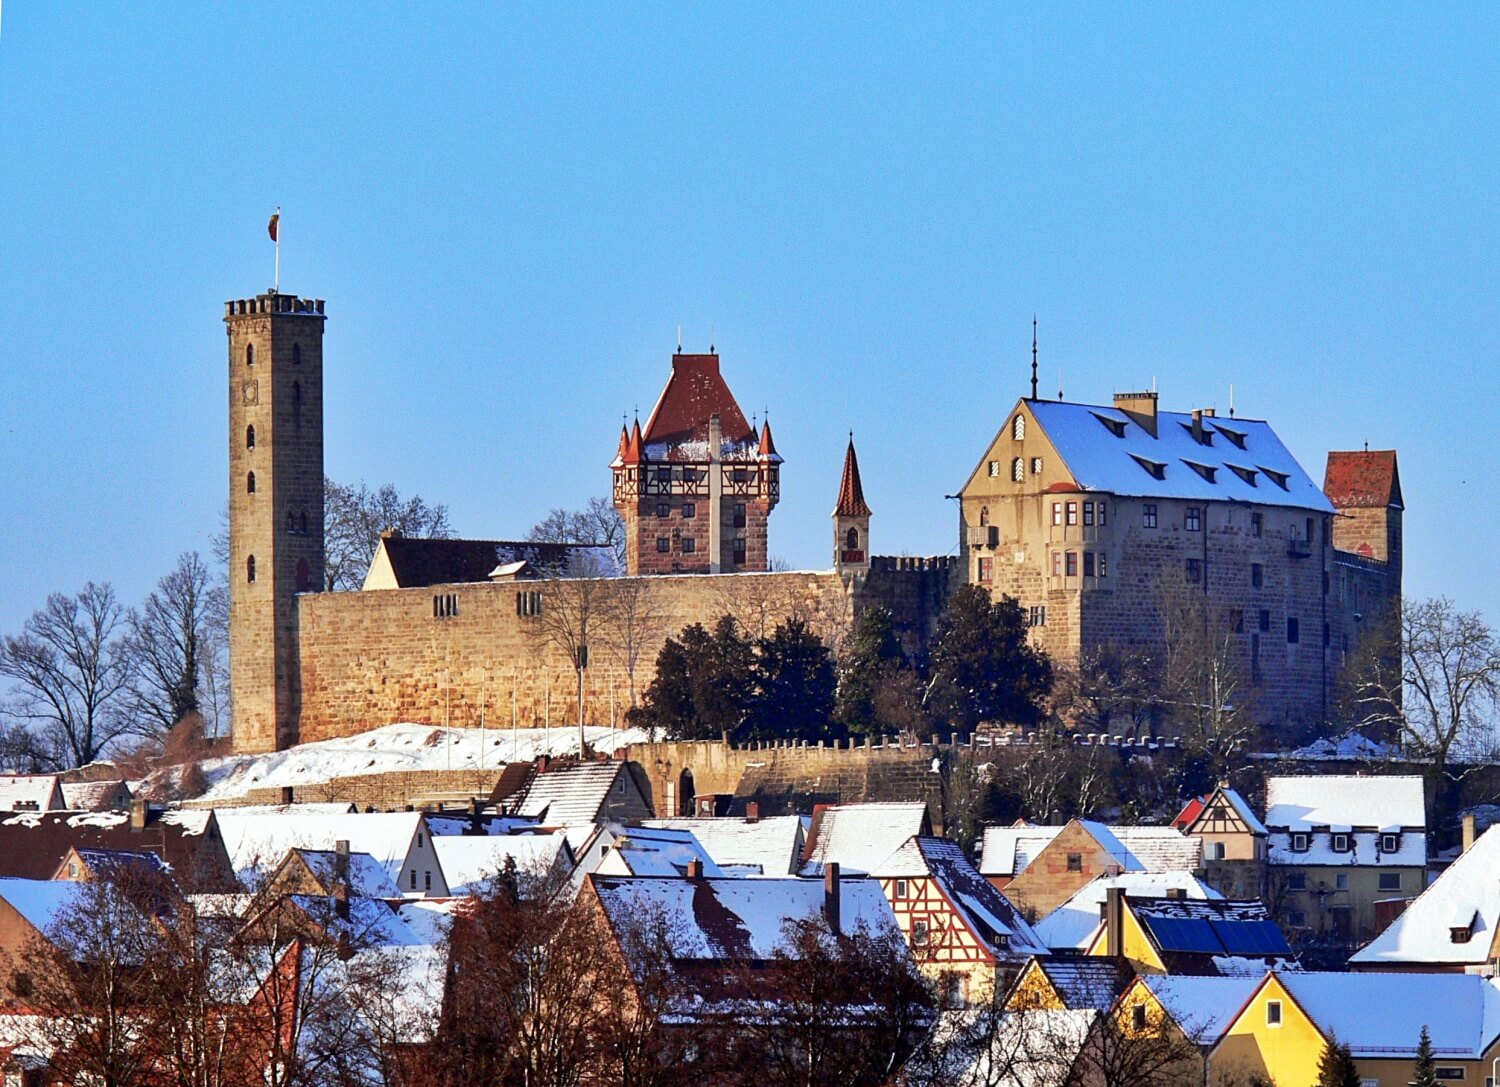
x: 696, y: 487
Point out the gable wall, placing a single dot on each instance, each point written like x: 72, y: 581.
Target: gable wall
x: 950, y: 948
x: 1046, y: 883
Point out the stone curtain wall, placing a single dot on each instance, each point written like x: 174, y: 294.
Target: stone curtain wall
x: 384, y: 792
x: 373, y: 658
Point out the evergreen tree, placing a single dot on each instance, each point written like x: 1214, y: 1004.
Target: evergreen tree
x: 702, y: 686
x: 667, y: 703
x: 724, y: 685
x: 874, y: 656
x: 794, y: 685
x: 1336, y: 1067
x: 983, y: 667
x: 1426, y: 1067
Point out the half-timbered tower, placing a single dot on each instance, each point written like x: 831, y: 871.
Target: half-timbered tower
x: 696, y: 487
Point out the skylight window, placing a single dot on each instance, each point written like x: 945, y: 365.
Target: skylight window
x: 1236, y: 436
x: 1207, y: 471
x: 1114, y: 426
x: 1156, y: 469
x: 1278, y: 478
x: 1247, y: 474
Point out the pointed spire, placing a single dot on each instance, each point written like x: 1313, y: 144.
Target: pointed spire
x: 634, y: 450
x: 1033, y: 356
x: 624, y: 441
x: 767, y: 446
x: 851, y: 491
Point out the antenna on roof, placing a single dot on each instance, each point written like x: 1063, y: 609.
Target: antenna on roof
x: 1059, y: 383
x: 1367, y: 447
x: 711, y: 338
x: 1231, y: 400
x: 1153, y: 382
x: 679, y: 339
x: 1033, y: 356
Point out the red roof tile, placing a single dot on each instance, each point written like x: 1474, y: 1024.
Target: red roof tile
x: 1366, y: 478
x: 767, y: 446
x: 695, y: 392
x: 851, y: 493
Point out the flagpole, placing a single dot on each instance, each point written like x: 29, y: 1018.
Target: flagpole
x: 277, y: 288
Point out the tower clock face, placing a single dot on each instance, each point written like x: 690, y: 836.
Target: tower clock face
x: 251, y: 392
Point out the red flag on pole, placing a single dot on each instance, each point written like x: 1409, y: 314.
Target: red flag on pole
x: 271, y: 226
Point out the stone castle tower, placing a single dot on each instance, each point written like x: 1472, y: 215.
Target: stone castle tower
x: 696, y: 487
x: 851, y: 522
x: 275, y: 506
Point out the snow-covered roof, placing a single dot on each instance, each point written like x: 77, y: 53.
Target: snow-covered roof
x: 1242, y: 808
x: 988, y: 914
x: 41, y: 901
x: 1364, y: 849
x: 1203, y: 1006
x: 30, y: 792
x: 258, y: 841
x: 469, y: 863
x: 1345, y: 801
x: 576, y: 793
x: 737, y: 919
x: 1382, y: 1015
x: 1031, y: 1048
x: 367, y: 877
x: 1103, y: 449
x: 1087, y: 981
x: 1073, y: 924
x: 1466, y: 896
x: 859, y: 836
x: 429, y: 919
x: 371, y: 923
x: 655, y: 851
x: 401, y: 747
x: 93, y: 795
x: 1008, y: 851
x: 772, y: 845
x: 1159, y: 849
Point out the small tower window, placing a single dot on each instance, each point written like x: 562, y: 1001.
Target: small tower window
x: 291, y: 521
x: 250, y: 569
x: 296, y: 392
x: 851, y: 540
x: 304, y: 576
x: 302, y: 522
x: 250, y: 483
x: 1018, y: 428
x: 296, y: 354
x: 249, y: 354
x: 250, y: 437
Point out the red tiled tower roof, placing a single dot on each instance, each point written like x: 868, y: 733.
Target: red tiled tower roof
x: 851, y: 492
x: 695, y: 392
x: 767, y: 446
x: 1367, y: 478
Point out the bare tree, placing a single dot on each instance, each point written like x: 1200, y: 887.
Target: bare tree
x: 70, y: 674
x: 166, y: 644
x: 1111, y: 689
x: 1130, y: 1048
x: 354, y: 518
x: 577, y: 610
x: 638, y: 622
x: 598, y: 522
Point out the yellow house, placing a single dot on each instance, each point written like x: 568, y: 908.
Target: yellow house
x: 1069, y: 982
x: 1282, y: 1029
x: 1178, y: 935
x: 1192, y: 1012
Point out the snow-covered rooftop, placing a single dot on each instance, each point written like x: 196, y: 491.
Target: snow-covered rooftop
x: 1466, y: 896
x: 259, y: 840
x: 30, y: 792
x: 1008, y: 851
x: 1073, y: 924
x: 1342, y: 802
x: 367, y: 877
x: 469, y: 863
x: 1383, y: 1014
x: 401, y: 747
x: 1243, y: 461
x: 655, y: 851
x: 859, y: 836
x: 577, y: 793
x: 773, y: 845
x: 1203, y: 1006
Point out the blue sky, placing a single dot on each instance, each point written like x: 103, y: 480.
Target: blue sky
x: 511, y: 209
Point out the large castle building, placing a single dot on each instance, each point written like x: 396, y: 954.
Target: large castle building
x: 1085, y: 514
x: 1107, y: 522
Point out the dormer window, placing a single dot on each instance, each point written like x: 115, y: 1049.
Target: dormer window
x: 1278, y: 478
x: 1299, y: 843
x: 1341, y: 843
x: 1018, y: 428
x: 1207, y: 471
x: 1236, y: 436
x: 1248, y: 475
x: 1154, y: 468
x: 1114, y: 426
x: 1203, y: 436
x: 1390, y: 843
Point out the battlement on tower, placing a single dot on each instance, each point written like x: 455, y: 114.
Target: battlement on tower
x: 273, y: 303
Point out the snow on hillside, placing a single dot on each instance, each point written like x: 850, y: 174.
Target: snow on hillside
x: 401, y: 747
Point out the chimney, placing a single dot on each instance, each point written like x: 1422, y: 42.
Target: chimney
x: 752, y: 812
x: 1140, y: 407
x: 138, y: 814
x: 831, y: 896
x: 1198, y: 425
x: 476, y: 825
x: 341, y: 867
x: 542, y: 762
x: 695, y: 869
x: 1114, y: 920
x: 1176, y: 893
x: 1468, y: 832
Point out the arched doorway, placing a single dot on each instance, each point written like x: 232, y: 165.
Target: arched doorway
x: 685, y: 793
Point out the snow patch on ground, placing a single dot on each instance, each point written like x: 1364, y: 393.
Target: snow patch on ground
x: 401, y: 747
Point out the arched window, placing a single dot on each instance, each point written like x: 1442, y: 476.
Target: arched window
x: 304, y: 578
x: 250, y: 437
x: 296, y: 392
x: 1018, y: 469
x: 249, y: 354
x: 291, y: 521
x: 851, y: 540
x: 1018, y: 428
x: 984, y: 515
x: 302, y: 522
x: 250, y: 483
x: 250, y: 569
x: 296, y: 354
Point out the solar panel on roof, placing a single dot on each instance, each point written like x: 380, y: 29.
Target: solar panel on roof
x: 1184, y: 934
x: 1251, y: 937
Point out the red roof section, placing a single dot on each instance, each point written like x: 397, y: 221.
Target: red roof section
x: 851, y: 492
x: 1367, y: 478
x: 767, y: 446
x: 1190, y: 811
x: 695, y: 392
